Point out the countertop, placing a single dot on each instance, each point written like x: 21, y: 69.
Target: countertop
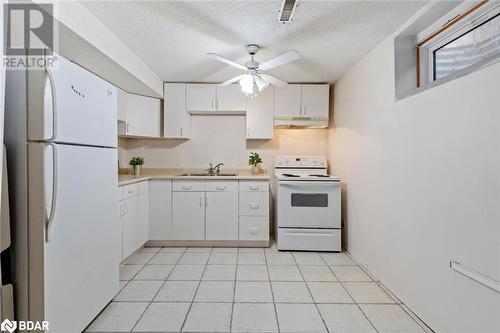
x: 148, y: 174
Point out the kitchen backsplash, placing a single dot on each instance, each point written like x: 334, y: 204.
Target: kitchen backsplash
x: 222, y: 139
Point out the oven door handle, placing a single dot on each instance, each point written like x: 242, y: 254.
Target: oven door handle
x: 314, y: 184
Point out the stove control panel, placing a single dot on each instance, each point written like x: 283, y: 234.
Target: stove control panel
x: 300, y: 161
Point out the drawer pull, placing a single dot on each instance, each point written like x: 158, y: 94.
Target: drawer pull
x: 254, y: 187
x: 187, y: 188
x: 254, y: 231
x: 253, y: 205
x: 221, y: 188
x: 130, y: 191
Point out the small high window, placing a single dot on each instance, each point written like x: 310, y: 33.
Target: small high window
x: 469, y: 39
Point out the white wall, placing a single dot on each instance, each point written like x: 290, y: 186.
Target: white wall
x: 222, y: 139
x: 422, y: 187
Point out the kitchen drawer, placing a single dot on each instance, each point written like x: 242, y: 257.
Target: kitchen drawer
x: 254, y: 186
x: 188, y: 186
x: 309, y: 239
x: 221, y: 186
x: 129, y: 191
x: 254, y: 228
x: 254, y: 203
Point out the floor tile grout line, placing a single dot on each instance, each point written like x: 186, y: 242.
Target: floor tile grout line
x: 165, y: 281
x: 310, y: 293
x: 195, y: 292
x: 272, y: 293
x: 234, y: 292
x: 355, y: 302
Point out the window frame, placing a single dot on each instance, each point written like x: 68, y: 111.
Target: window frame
x: 462, y: 27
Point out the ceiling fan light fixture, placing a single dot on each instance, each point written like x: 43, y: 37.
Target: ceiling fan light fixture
x: 261, y: 83
x: 247, y: 84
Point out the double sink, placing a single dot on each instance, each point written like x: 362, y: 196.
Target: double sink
x: 203, y: 174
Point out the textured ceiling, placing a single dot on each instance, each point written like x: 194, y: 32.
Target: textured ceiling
x: 172, y: 37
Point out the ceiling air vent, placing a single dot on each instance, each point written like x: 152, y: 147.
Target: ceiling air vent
x: 286, y: 12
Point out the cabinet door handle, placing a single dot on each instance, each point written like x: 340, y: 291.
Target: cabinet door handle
x: 181, y: 131
x: 201, y: 201
x: 130, y: 191
x: 212, y: 104
x: 254, y: 187
x: 127, y: 129
x: 253, y: 205
x: 305, y: 109
x: 187, y: 188
x: 254, y: 230
x: 206, y: 201
x: 221, y: 188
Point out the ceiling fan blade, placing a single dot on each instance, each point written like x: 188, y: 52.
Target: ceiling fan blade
x: 280, y: 60
x: 274, y: 81
x: 226, y: 60
x: 234, y: 79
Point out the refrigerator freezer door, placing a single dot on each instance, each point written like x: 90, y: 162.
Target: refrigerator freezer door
x: 81, y: 260
x: 78, y: 106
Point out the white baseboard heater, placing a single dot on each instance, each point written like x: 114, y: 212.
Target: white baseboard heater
x: 476, y: 276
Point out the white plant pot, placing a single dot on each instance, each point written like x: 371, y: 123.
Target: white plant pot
x: 255, y: 170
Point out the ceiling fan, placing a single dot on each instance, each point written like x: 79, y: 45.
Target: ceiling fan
x: 254, y: 78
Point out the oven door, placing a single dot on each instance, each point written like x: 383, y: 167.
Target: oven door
x: 308, y: 204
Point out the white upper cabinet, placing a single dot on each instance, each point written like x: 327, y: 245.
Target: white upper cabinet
x: 230, y: 98
x: 287, y: 100
x: 259, y: 115
x: 212, y: 98
x: 315, y: 100
x: 176, y: 119
x: 143, y: 115
x: 201, y: 97
x: 122, y: 105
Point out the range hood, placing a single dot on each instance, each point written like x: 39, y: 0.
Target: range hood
x: 300, y: 122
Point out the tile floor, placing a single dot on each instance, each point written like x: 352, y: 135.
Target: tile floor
x: 250, y: 290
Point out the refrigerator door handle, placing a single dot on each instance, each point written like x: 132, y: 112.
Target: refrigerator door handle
x: 50, y: 220
x: 50, y: 80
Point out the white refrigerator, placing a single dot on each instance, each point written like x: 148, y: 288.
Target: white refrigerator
x: 67, y: 231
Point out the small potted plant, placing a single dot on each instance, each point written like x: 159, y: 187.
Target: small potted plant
x: 136, y: 165
x: 254, y: 161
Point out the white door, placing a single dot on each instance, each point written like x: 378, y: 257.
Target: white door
x: 222, y: 215
x: 315, y: 100
x: 143, y: 214
x: 176, y: 119
x: 77, y: 107
x: 231, y: 98
x: 188, y: 215
x: 143, y: 116
x: 287, y: 101
x: 82, y: 257
x: 259, y: 115
x: 130, y: 226
x: 200, y: 97
x: 308, y: 204
x: 160, y: 209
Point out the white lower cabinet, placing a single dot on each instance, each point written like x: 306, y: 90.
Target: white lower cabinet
x: 188, y: 215
x: 221, y: 215
x: 160, y: 209
x: 254, y: 228
x: 129, y: 226
x: 134, y: 209
x: 143, y: 214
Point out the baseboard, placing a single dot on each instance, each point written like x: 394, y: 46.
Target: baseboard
x: 216, y: 243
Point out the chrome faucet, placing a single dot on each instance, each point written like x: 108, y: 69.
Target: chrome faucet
x: 214, y: 169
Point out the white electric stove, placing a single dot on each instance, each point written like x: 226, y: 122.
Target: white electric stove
x: 307, y: 204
